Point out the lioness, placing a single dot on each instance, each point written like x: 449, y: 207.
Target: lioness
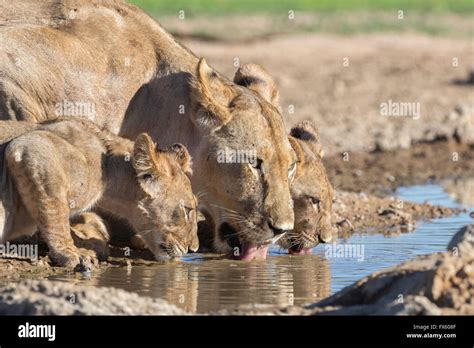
x: 110, y: 62
x: 310, y: 188
x: 61, y: 168
x: 312, y: 193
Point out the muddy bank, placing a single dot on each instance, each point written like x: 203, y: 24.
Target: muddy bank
x: 362, y: 213
x: 435, y: 284
x: 461, y: 189
x: 382, y: 172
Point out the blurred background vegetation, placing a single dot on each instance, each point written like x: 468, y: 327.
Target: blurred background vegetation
x: 222, y: 7
x: 256, y: 19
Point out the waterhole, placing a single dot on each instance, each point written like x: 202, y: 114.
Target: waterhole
x: 200, y: 283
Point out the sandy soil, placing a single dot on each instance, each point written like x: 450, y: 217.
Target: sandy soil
x: 344, y: 101
x: 381, y: 172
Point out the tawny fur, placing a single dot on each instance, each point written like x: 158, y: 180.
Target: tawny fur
x: 311, y: 191
x: 90, y: 231
x: 133, y: 77
x: 65, y: 167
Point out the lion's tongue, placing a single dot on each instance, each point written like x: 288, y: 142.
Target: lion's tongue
x: 253, y: 252
x: 300, y: 251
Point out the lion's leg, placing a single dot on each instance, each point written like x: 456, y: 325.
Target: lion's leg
x: 55, y: 231
x: 137, y: 242
x: 90, y: 231
x: 42, y: 189
x: 51, y: 213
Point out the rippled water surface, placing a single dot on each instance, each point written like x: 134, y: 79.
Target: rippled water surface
x: 202, y: 283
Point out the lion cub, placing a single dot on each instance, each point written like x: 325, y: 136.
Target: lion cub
x: 56, y: 170
x: 311, y: 191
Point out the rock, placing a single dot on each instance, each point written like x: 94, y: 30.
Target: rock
x: 404, y: 218
x: 440, y: 283
x: 32, y: 297
x: 412, y: 305
x: 463, y: 242
x: 427, y: 285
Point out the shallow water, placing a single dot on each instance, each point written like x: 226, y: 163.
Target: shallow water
x: 201, y: 283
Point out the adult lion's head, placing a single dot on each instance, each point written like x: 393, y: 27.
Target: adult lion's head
x: 246, y: 161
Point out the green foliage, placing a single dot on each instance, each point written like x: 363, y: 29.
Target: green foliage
x: 223, y: 7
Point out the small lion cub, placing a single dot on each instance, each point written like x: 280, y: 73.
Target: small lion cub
x: 57, y: 170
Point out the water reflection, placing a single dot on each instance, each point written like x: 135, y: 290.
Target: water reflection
x: 202, y: 283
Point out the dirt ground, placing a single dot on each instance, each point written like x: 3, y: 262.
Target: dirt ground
x: 345, y: 101
x: 362, y: 213
x: 382, y: 172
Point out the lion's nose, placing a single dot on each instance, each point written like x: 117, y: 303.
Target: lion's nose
x: 325, y: 239
x: 328, y: 236
x: 279, y: 228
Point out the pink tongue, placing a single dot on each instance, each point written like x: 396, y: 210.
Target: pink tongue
x: 302, y: 251
x: 253, y: 252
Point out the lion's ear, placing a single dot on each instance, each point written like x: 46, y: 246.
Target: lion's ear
x: 149, y: 164
x: 210, y: 98
x: 181, y: 155
x: 297, y: 148
x: 307, y: 132
x: 201, y: 216
x: 145, y: 157
x: 257, y: 79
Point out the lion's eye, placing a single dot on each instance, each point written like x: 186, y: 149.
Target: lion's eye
x: 315, y: 201
x: 187, y: 211
x: 258, y: 165
x: 291, y: 169
x: 146, y: 177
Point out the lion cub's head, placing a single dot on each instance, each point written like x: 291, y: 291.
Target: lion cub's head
x: 166, y: 211
x: 311, y: 192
